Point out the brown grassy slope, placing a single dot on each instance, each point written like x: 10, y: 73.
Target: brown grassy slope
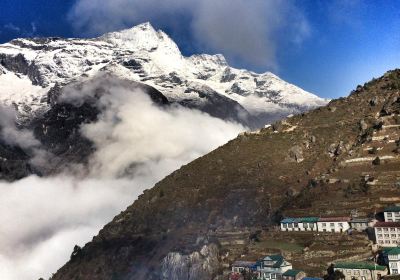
x: 247, y: 183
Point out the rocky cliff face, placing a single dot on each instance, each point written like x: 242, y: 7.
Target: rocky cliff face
x: 314, y: 163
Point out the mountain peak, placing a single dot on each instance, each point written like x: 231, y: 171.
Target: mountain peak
x: 141, y: 37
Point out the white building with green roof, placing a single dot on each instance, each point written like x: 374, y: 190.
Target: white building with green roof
x: 272, y: 267
x: 299, y: 224
x: 392, y: 213
x: 394, y: 260
x: 361, y: 270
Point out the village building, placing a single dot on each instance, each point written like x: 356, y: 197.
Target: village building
x: 273, y: 267
x: 387, y: 234
x: 312, y: 278
x: 361, y: 271
x: 394, y: 260
x: 333, y: 224
x: 299, y: 224
x: 293, y: 274
x: 392, y: 214
x: 240, y: 266
x: 361, y: 224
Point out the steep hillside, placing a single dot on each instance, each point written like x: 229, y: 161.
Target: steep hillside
x: 197, y: 220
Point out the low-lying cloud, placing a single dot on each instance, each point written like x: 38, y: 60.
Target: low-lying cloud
x: 137, y: 144
x: 10, y: 134
x: 245, y: 31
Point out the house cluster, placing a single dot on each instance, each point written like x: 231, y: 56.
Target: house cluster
x: 387, y: 237
x: 275, y: 267
x: 387, y: 232
x: 326, y: 224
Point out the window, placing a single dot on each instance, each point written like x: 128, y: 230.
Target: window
x: 332, y: 224
x: 386, y: 235
x: 296, y: 225
x: 380, y: 241
x: 392, y: 229
x: 395, y: 271
x: 290, y: 225
x: 393, y: 235
x: 388, y: 214
x: 284, y: 225
x: 273, y: 275
x: 305, y: 225
x: 387, y: 241
x: 393, y: 265
x: 348, y: 271
x: 386, y: 230
x: 380, y: 235
x: 323, y: 224
x: 379, y: 230
x: 341, y: 225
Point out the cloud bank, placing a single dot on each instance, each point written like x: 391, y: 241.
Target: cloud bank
x: 246, y: 31
x: 138, y: 143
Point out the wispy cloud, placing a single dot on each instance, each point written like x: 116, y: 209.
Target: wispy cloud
x: 12, y: 27
x: 21, y: 31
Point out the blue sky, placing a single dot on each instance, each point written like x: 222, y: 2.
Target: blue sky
x: 325, y: 47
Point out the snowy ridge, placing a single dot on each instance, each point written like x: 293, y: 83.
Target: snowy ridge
x: 143, y: 54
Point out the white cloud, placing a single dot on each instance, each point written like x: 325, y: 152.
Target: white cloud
x: 248, y: 31
x: 10, y: 134
x: 44, y: 218
x: 138, y: 143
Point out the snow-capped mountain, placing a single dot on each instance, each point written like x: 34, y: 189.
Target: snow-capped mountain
x: 29, y: 68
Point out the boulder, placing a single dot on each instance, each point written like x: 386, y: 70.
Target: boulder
x: 296, y: 153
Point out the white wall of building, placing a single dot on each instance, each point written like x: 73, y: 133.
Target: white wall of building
x: 392, y: 216
x: 327, y: 226
x: 299, y: 226
x: 387, y: 237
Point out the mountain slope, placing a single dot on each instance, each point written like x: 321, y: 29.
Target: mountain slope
x: 197, y: 220
x: 142, y: 54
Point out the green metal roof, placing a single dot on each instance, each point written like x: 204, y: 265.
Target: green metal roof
x: 359, y: 265
x: 309, y: 219
x: 393, y: 208
x: 300, y: 220
x: 292, y: 272
x: 394, y: 251
x: 276, y: 257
